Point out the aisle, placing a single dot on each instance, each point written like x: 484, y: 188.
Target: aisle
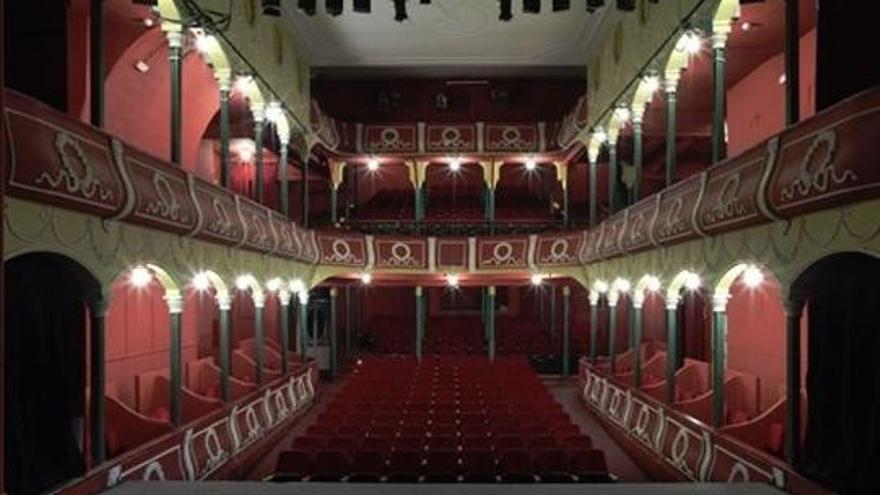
x: 619, y: 463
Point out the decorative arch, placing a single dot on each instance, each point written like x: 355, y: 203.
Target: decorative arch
x: 673, y: 291
x: 250, y: 283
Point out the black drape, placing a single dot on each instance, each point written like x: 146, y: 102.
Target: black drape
x: 842, y: 445
x: 45, y: 369
x: 846, y: 40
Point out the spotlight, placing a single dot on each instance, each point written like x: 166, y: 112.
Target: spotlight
x: 242, y: 282
x: 366, y: 278
x: 308, y: 6
x: 652, y: 83
x: 506, y: 10
x: 600, y: 135
x: 149, y: 22
x: 559, y: 5
x: 296, y: 286
x: 653, y: 284
x: 452, y: 280
x: 753, y: 277
x: 303, y: 297
x: 273, y: 284
x: 692, y: 281
x: 140, y: 276
x: 594, y: 5
x: 455, y: 165
x: 333, y: 7
x: 622, y: 285
x: 362, y: 6
x: 400, y: 10
x: 601, y: 286
x: 622, y: 113
x: 693, y: 43
x: 373, y: 165
x: 246, y: 150
x: 537, y: 279
x: 201, y: 282
x: 142, y: 66
x: 532, y: 6
x: 203, y: 41
x: 272, y: 8
x: 531, y: 165
x: 746, y: 25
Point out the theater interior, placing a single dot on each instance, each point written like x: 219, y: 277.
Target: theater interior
x: 450, y: 246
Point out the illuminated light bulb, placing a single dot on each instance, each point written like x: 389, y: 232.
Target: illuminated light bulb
x: 201, y: 282
x: 366, y: 278
x: 360, y: 362
x: 303, y: 297
x: 692, y: 281
x: 242, y: 282
x: 142, y: 66
x: 455, y: 165
x: 149, y: 22
x: 452, y: 280
x: 297, y: 286
x: 531, y: 165
x: 203, y: 41
x: 623, y: 114
x: 242, y: 83
x: 373, y: 165
x: 753, y: 277
x: 273, y: 284
x: 693, y: 43
x: 246, y: 150
x: 746, y: 25
x: 274, y: 113
x: 653, y: 284
x: 140, y: 276
x: 537, y: 279
x: 600, y: 135
x: 783, y: 79
x: 652, y: 83
x: 622, y: 285
x: 601, y: 286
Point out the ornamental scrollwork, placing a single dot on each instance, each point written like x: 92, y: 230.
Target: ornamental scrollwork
x: 75, y: 180
x: 166, y: 204
x: 818, y: 179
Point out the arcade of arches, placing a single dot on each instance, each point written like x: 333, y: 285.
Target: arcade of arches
x: 254, y: 241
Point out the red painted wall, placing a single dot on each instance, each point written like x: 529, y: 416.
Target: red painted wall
x: 201, y: 318
x: 139, y: 106
x: 756, y: 104
x: 138, y: 337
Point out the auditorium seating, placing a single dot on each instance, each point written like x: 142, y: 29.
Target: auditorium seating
x: 449, y: 418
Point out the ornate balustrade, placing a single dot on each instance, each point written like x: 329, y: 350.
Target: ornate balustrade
x: 824, y: 162
x: 674, y: 446
x: 216, y: 446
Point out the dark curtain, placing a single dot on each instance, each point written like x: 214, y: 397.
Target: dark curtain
x: 841, y: 69
x: 842, y: 445
x: 694, y: 327
x: 45, y: 366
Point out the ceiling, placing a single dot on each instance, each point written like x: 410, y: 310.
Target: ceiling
x: 449, y: 38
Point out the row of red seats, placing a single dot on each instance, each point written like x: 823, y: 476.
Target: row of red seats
x: 425, y: 421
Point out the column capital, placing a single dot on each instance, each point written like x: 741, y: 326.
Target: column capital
x: 303, y: 297
x: 561, y: 173
x: 419, y: 291
x: 613, y: 298
x: 719, y: 301
x: 259, y: 300
x: 491, y: 290
x: 566, y: 291
x: 173, y: 33
x: 258, y: 110
x: 670, y: 82
x: 174, y: 301
x: 334, y: 292
x: 337, y: 169
x: 284, y: 297
x: 672, y: 302
x: 224, y: 302
x: 594, y: 298
x: 638, y: 299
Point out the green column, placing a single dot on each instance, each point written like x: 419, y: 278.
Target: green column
x: 224, y: 304
x: 612, y: 331
x: 565, y: 215
x: 334, y: 209
x: 552, y: 310
x: 719, y: 355
x: 302, y: 321
x: 566, y: 330
x: 283, y: 184
x: 613, y: 178
x: 637, y: 339
x: 259, y: 338
x: 793, y: 311
x: 96, y: 74
x: 594, y: 326
x: 594, y: 191
x: 259, y: 124
x: 284, y: 327
x: 175, y: 56
x: 671, y: 347
x: 490, y: 322
x: 333, y: 349
x: 420, y: 321
x: 418, y: 206
x: 671, y: 132
x: 98, y: 416
x: 638, y: 157
x: 349, y: 307
x: 175, y: 306
x: 305, y: 192
x: 224, y: 133
x: 490, y: 209
x: 719, y: 114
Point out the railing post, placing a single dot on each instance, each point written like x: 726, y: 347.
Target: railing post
x: 175, y: 308
x: 97, y: 420
x: 671, y: 346
x: 225, y: 304
x: 719, y: 348
x: 793, y: 310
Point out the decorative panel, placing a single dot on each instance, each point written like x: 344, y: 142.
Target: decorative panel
x: 162, y: 196
x: 398, y: 138
x: 675, y: 214
x: 342, y: 249
x: 395, y: 253
x: 560, y: 249
x: 220, y: 219
x: 511, y: 138
x: 452, y: 254
x: 639, y: 225
x: 450, y: 138
x: 495, y: 253
x: 257, y: 219
x: 731, y: 192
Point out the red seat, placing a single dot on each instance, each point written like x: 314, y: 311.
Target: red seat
x: 588, y: 464
x: 551, y: 461
x: 442, y: 443
x: 441, y: 465
x: 369, y: 463
x: 405, y: 463
x: 508, y: 442
x: 476, y: 443
x: 408, y: 443
x: 331, y: 465
x: 577, y: 442
x: 308, y: 442
x: 293, y: 465
x: 542, y: 442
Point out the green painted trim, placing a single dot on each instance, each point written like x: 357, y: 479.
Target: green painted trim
x: 98, y: 419
x: 175, y: 355
x: 332, y: 331
x: 225, y: 173
x: 719, y: 352
x: 259, y: 343
x: 284, y: 331
x: 671, y: 134
x: 719, y: 115
x: 612, y: 338
x: 594, y: 332
x: 284, y: 185
x: 225, y: 350
x: 671, y: 352
x: 259, y: 125
x: 637, y: 340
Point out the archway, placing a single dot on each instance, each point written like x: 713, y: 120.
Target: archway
x: 842, y: 447
x: 47, y: 298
